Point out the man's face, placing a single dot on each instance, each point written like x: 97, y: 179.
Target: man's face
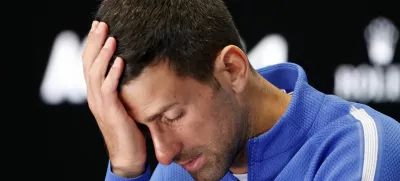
x: 201, y: 123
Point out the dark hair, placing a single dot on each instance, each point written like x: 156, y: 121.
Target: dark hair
x: 188, y: 34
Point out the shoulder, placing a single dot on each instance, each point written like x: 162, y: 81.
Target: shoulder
x: 337, y: 142
x: 382, y: 137
x: 360, y: 136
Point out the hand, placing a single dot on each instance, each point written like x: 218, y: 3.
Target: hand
x: 125, y: 142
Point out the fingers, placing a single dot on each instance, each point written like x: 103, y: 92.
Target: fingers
x: 94, y: 44
x: 99, y: 67
x: 110, y: 84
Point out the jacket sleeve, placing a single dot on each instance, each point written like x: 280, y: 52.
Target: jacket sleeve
x: 110, y: 176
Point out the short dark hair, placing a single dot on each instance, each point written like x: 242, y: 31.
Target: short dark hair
x: 189, y: 34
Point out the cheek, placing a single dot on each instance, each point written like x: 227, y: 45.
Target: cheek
x: 208, y: 124
x: 210, y: 130
x: 198, y: 128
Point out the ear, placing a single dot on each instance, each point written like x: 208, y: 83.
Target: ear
x: 232, y: 68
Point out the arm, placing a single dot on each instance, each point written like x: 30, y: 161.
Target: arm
x: 124, y: 140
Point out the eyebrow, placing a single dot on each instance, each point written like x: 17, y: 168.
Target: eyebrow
x: 161, y: 111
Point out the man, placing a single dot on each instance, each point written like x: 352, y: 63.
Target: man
x: 178, y: 69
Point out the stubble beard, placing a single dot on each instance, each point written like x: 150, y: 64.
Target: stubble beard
x: 219, y: 162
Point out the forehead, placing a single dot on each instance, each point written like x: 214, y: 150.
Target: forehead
x: 158, y: 86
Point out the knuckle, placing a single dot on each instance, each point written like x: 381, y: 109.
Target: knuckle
x: 91, y: 107
x: 91, y: 81
x: 105, y: 90
x: 88, y: 81
x: 106, y: 50
x: 92, y: 73
x: 94, y: 33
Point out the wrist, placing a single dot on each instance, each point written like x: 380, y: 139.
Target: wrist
x: 128, y: 171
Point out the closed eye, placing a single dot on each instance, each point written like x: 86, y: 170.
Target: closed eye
x: 168, y: 120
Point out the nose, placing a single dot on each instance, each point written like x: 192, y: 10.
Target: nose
x: 166, y: 146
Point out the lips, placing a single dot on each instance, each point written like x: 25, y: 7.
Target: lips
x: 194, y: 164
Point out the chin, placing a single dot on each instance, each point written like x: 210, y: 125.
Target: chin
x: 209, y: 172
x: 207, y: 177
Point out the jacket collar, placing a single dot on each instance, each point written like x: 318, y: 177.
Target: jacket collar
x: 291, y: 130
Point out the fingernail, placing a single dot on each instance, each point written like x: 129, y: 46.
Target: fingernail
x: 117, y: 62
x: 108, y: 43
x: 98, y: 29
x: 94, y: 25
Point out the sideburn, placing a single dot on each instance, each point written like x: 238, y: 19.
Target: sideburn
x: 215, y: 85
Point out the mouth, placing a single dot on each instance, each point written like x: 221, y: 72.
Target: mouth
x: 194, y: 164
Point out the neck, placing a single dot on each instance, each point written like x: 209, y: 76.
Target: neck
x: 266, y: 104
